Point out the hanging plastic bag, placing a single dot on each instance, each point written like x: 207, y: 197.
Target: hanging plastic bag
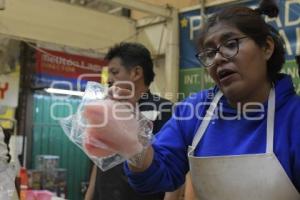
x: 112, y: 130
x: 7, y: 184
x: 7, y: 173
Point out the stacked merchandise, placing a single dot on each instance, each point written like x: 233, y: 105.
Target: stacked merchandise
x: 48, y: 176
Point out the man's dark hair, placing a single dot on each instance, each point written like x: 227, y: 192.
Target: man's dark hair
x: 131, y: 55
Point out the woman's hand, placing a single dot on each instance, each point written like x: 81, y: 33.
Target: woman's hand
x: 111, y: 128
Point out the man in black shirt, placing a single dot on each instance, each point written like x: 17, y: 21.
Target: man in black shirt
x: 130, y: 66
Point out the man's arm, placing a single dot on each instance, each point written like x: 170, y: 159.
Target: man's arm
x: 175, y: 195
x: 90, y: 191
x: 189, y: 193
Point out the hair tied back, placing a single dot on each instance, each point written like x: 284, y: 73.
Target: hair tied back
x: 268, y: 7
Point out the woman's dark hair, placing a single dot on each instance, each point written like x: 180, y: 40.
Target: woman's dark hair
x: 131, y: 55
x: 251, y: 23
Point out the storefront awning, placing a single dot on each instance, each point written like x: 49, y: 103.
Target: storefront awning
x: 63, y: 24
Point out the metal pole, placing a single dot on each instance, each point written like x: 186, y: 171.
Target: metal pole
x: 202, y: 14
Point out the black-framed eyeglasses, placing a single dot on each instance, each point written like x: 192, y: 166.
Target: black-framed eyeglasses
x: 227, y: 49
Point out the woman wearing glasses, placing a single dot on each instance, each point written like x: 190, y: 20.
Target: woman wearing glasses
x: 241, y: 139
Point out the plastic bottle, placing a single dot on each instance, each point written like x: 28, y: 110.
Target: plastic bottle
x: 23, y: 183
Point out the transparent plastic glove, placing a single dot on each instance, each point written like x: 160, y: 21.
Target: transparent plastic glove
x: 108, y: 131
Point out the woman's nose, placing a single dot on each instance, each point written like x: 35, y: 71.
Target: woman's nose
x: 219, y: 59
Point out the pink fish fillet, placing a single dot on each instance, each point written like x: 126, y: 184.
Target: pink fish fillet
x: 112, y: 128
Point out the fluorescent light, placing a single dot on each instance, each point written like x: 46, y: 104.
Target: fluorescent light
x: 65, y: 92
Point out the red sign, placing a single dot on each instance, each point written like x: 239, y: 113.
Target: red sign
x: 58, y: 66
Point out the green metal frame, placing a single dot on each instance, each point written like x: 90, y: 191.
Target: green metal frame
x: 49, y: 138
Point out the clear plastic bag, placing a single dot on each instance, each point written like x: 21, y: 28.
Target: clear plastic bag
x: 7, y: 172
x: 7, y: 183
x: 120, y: 133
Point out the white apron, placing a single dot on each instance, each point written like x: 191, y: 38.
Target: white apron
x: 240, y: 177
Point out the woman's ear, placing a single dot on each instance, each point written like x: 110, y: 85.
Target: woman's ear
x: 269, y: 47
x: 136, y: 73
